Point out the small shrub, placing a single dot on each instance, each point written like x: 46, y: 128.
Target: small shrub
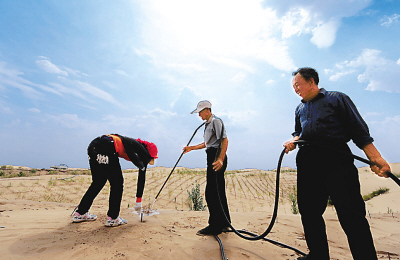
x: 1, y: 173
x: 52, y: 182
x: 195, y: 199
x: 293, y: 199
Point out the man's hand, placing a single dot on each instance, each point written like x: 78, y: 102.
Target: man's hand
x: 290, y: 145
x: 217, y: 164
x: 381, y: 167
x: 187, y: 149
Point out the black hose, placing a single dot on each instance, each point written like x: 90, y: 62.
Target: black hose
x: 273, y: 242
x: 221, y: 247
x: 275, y: 213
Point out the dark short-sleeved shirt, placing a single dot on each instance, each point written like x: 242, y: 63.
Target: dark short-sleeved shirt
x: 331, y: 117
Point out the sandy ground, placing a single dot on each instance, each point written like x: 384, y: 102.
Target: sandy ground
x: 36, y: 223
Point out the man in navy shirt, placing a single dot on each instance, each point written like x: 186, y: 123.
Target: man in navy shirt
x: 330, y: 120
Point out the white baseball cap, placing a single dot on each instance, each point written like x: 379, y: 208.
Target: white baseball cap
x: 201, y: 105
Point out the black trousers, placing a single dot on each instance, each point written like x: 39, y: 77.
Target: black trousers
x: 216, y: 219
x: 322, y: 173
x: 104, y: 165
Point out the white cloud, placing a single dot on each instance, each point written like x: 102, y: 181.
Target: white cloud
x: 340, y: 74
x: 61, y: 89
x: 239, y: 77
x: 49, y: 67
x: 269, y: 82
x: 70, y: 121
x: 373, y: 114
x: 295, y: 22
x: 96, y: 92
x: 321, y: 18
x: 241, y: 31
x: 34, y: 110
x: 185, y: 68
x: 45, y: 64
x: 232, y: 63
x: 13, y: 78
x: 238, y: 117
x: 386, y: 129
x: 4, y: 109
x: 76, y: 73
x: 380, y: 73
x: 389, y: 20
x: 325, y: 34
x: 121, y: 72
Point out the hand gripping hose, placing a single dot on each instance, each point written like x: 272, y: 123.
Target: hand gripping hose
x: 176, y: 164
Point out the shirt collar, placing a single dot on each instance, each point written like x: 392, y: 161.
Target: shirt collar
x: 210, y: 119
x: 321, y: 93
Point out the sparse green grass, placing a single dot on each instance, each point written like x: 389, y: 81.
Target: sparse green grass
x: 375, y: 193
x: 188, y: 171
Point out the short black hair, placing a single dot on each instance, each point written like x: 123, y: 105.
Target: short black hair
x: 307, y: 73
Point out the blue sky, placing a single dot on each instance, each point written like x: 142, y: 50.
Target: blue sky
x: 74, y: 70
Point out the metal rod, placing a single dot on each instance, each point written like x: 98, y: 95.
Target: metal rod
x: 177, y: 162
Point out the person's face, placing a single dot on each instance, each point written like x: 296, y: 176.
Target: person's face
x: 152, y: 161
x: 302, y: 87
x: 204, y: 114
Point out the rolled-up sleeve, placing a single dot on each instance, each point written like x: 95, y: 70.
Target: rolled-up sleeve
x: 357, y: 128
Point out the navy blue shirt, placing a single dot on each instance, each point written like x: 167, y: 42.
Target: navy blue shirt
x: 331, y: 117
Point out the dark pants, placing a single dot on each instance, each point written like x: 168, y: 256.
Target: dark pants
x: 217, y: 219
x: 104, y: 165
x: 322, y: 173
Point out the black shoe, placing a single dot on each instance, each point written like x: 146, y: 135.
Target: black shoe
x: 208, y: 231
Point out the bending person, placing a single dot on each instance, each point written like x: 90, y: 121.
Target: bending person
x: 103, y: 153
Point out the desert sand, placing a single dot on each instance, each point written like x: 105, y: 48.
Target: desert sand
x: 36, y: 207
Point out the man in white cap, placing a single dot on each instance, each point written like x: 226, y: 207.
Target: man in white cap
x: 215, y: 140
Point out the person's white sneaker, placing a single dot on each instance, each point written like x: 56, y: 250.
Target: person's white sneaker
x: 115, y: 222
x: 85, y: 217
